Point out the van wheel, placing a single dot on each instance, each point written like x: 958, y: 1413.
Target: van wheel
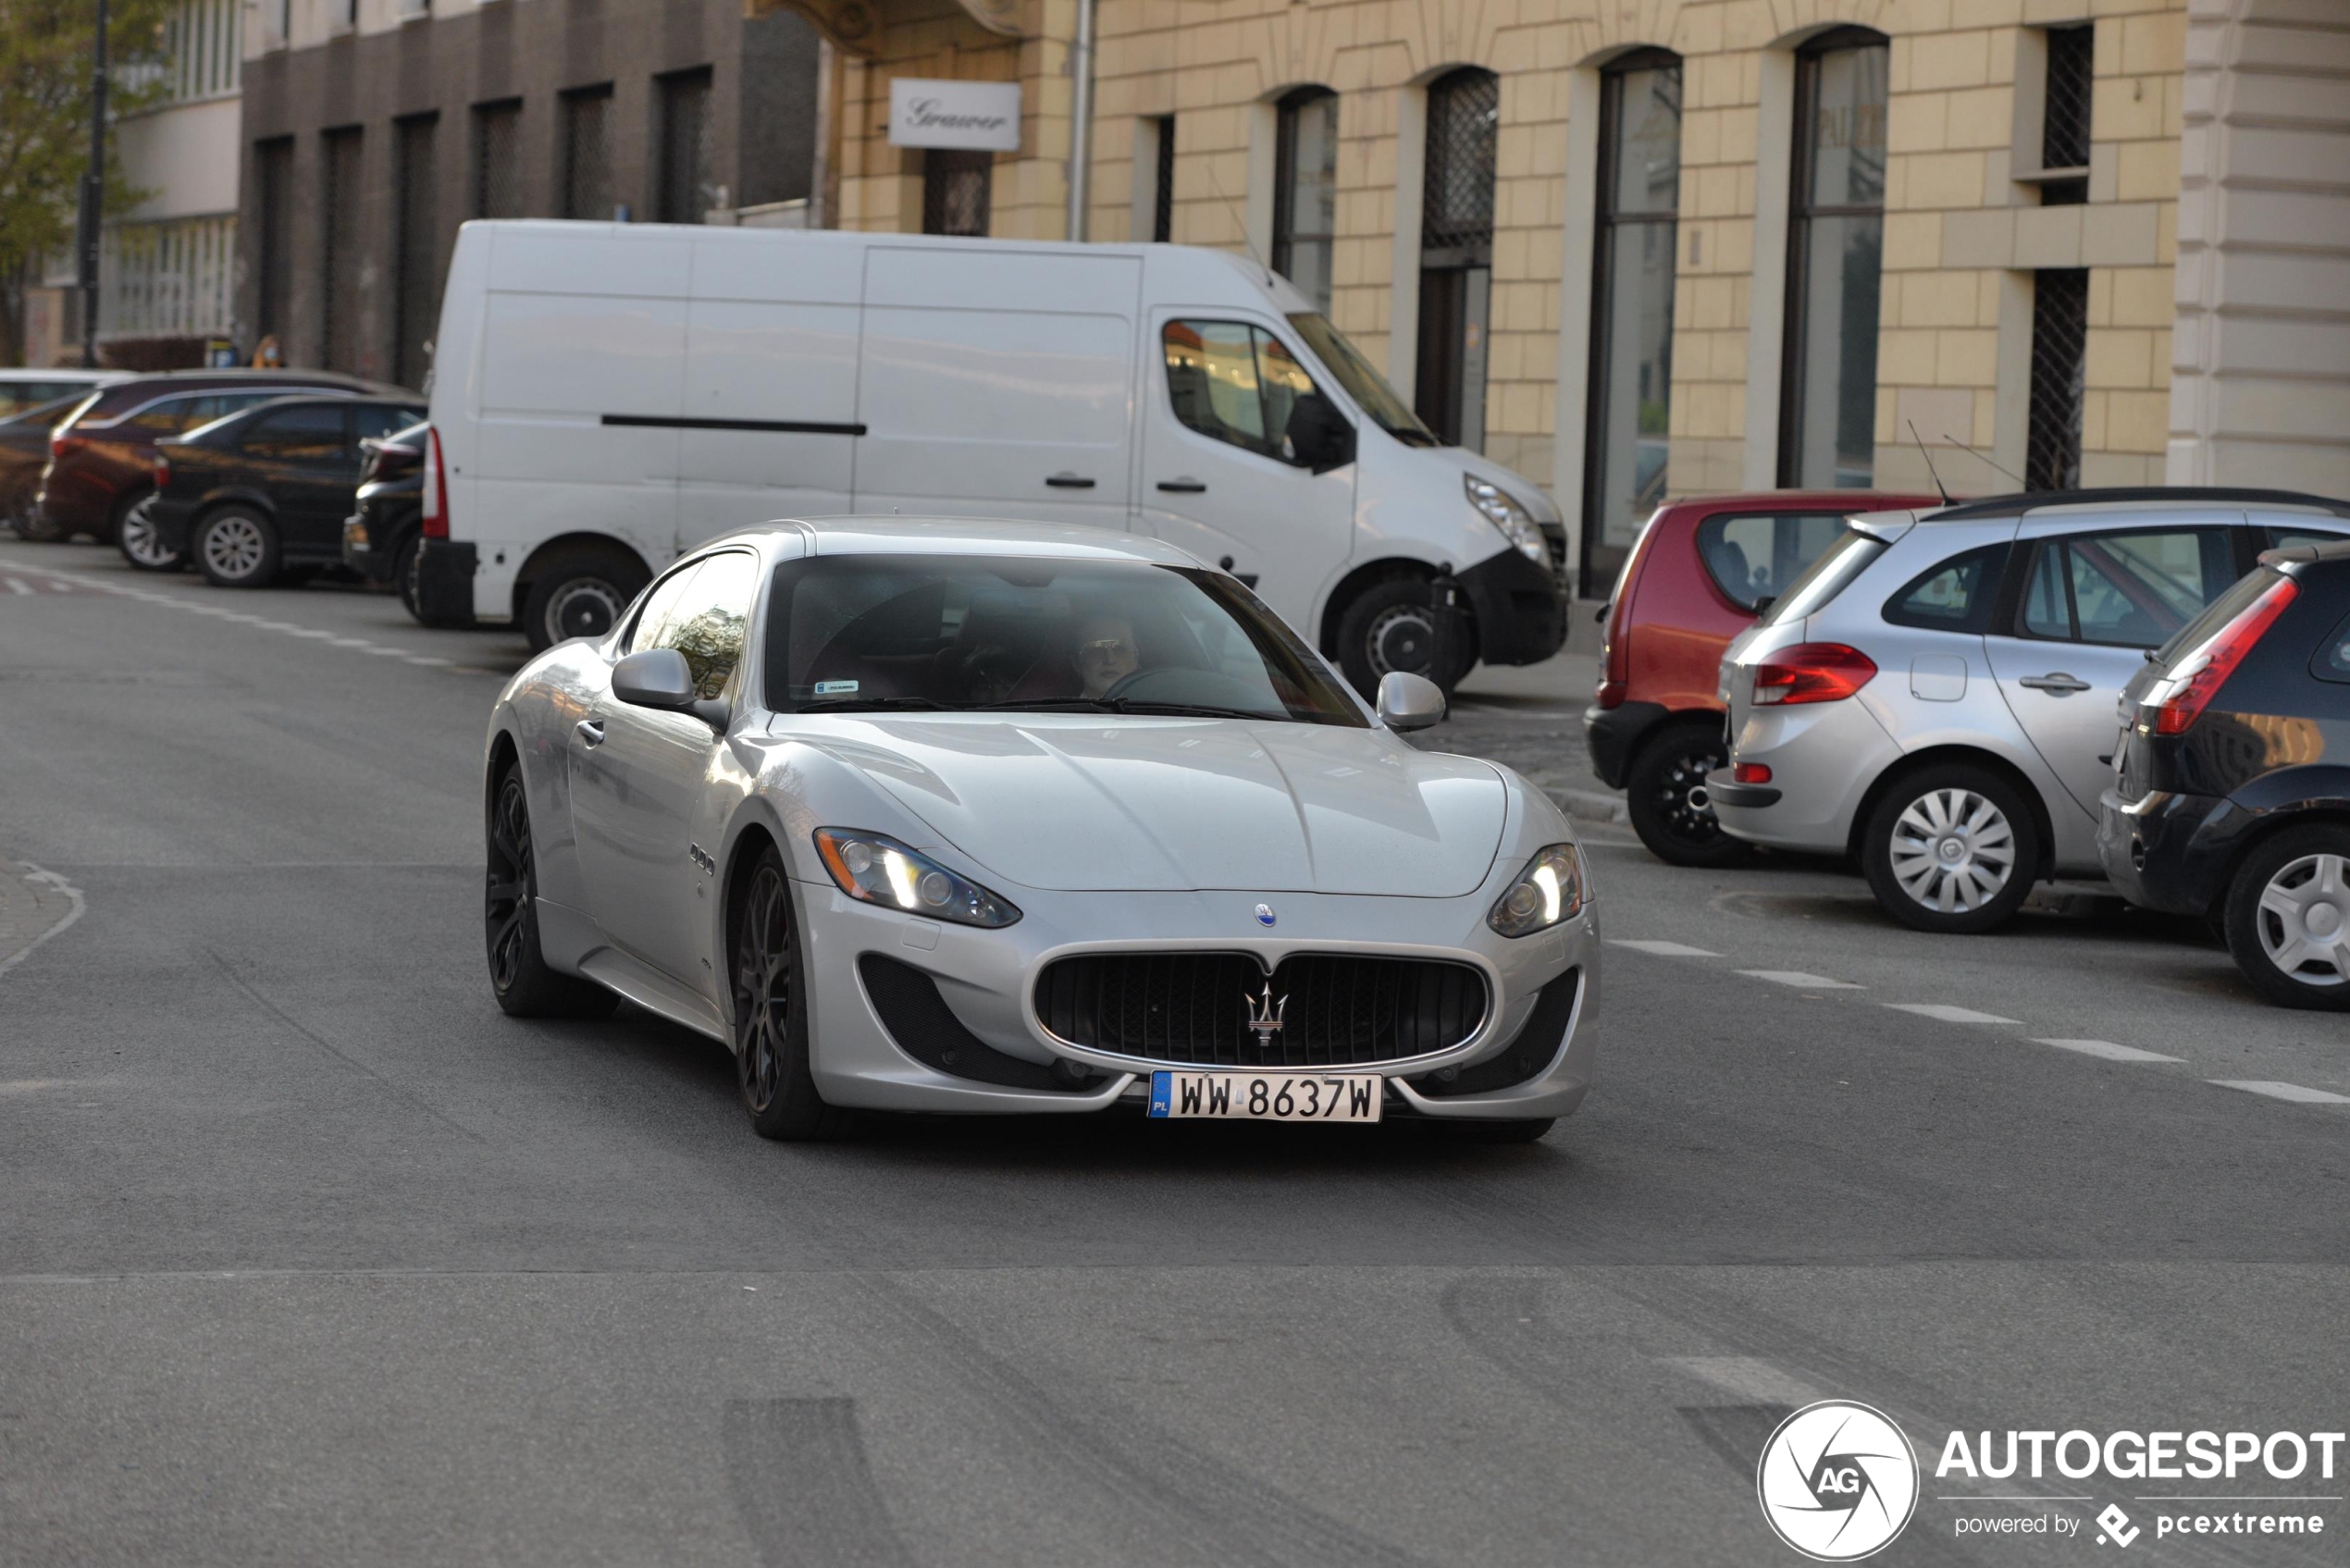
x: 237, y: 548
x: 2288, y: 917
x: 1664, y: 795
x: 1392, y: 625
x: 1951, y: 849
x: 579, y: 594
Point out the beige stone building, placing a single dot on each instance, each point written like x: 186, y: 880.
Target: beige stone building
x: 1641, y: 247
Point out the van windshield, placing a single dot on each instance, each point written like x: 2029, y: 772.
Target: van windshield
x: 1825, y: 578
x: 1365, y: 386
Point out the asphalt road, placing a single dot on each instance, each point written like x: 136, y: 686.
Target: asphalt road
x: 309, y: 1255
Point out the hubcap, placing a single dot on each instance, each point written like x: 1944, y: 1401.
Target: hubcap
x: 1402, y: 637
x: 233, y: 546
x: 2303, y: 920
x: 506, y: 899
x: 1686, y: 805
x: 762, y: 988
x: 584, y: 607
x: 1953, y: 851
x: 142, y: 541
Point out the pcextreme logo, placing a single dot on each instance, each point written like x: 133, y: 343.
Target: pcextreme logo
x: 1837, y: 1481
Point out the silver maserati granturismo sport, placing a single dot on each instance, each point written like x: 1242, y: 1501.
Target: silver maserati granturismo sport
x: 954, y: 815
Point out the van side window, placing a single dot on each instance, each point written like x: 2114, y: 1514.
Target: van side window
x: 1236, y: 383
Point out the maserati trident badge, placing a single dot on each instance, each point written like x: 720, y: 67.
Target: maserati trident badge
x: 1265, y: 914
x: 1264, y: 1016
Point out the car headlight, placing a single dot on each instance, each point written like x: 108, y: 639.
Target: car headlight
x: 1547, y: 891
x: 880, y: 870
x: 1500, y: 508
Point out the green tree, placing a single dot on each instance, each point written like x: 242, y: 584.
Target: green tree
x: 44, y: 123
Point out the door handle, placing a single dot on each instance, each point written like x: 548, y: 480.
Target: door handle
x: 591, y: 731
x: 2057, y: 683
x: 1067, y: 481
x: 1183, y: 486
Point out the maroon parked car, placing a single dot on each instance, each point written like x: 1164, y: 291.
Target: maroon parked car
x: 102, y: 460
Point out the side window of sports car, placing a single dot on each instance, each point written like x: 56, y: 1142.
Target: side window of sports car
x: 703, y: 613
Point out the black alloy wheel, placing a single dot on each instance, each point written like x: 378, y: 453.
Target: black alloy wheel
x: 771, y: 1024
x: 1396, y: 625
x: 519, y: 975
x: 1666, y: 796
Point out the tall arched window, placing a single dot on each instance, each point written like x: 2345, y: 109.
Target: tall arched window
x: 1633, y: 254
x: 1306, y: 191
x: 1456, y: 253
x: 1835, y: 242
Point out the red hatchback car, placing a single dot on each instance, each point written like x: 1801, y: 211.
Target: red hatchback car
x: 1700, y: 574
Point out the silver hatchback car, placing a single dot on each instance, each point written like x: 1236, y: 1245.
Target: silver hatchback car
x: 1938, y: 694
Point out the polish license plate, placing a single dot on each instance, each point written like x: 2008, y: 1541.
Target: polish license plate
x: 1269, y: 1097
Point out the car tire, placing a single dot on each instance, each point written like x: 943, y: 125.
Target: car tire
x: 403, y: 574
x: 123, y: 507
x: 579, y: 594
x: 34, y: 527
x: 141, y: 545
x: 1391, y: 626
x: 236, y: 547
x: 771, y: 1013
x: 1952, y: 849
x: 1532, y: 1129
x: 1664, y: 796
x: 519, y: 975
x: 2287, y: 918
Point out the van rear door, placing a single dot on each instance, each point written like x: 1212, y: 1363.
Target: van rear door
x: 995, y: 382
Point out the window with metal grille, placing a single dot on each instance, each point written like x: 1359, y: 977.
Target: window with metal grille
x: 2064, y: 121
x: 338, y: 258
x: 686, y: 195
x: 1306, y: 191
x: 1835, y: 244
x: 1456, y: 253
x: 273, y: 181
x: 587, y: 191
x: 956, y: 191
x: 1162, y: 193
x: 417, y: 255
x: 2059, y: 349
x: 1634, y: 254
x: 498, y: 159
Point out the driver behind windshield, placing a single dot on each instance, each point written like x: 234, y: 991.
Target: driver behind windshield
x: 1105, y: 654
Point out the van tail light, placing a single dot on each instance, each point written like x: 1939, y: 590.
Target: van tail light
x: 1810, y: 672
x: 2208, y: 667
x: 436, y: 508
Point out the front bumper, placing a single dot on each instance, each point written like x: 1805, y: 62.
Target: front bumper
x: 986, y: 980
x: 1521, y: 615
x: 2169, y: 852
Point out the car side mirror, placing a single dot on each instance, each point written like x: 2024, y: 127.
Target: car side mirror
x: 1409, y: 702
x: 654, y: 677
x: 1319, y: 437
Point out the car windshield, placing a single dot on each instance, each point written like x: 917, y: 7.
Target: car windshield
x: 972, y: 634
x: 1824, y: 578
x: 1365, y: 386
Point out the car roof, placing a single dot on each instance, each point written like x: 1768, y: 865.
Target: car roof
x: 963, y: 535
x: 2307, y: 555
x: 1805, y: 500
x: 62, y: 372
x: 2142, y: 496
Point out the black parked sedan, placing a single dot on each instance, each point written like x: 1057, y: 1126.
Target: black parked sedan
x: 265, y: 489
x: 2233, y: 799
x: 379, y: 537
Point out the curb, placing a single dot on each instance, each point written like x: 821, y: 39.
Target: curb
x: 1588, y: 806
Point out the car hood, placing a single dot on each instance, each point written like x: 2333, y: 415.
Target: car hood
x: 1134, y: 804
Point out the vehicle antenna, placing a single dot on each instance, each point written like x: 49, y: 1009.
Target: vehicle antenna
x: 1217, y: 186
x: 1985, y: 461
x: 1929, y: 462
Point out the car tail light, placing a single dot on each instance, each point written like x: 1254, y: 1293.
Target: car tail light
x: 1750, y: 772
x: 163, y: 471
x: 436, y: 504
x: 2208, y: 667
x: 1810, y: 672
x: 63, y: 446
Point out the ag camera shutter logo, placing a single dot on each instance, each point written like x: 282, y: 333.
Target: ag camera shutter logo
x: 1837, y: 1481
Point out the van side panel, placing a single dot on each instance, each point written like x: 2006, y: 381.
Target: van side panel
x: 987, y: 374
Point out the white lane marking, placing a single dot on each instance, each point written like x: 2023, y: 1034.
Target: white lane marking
x: 1750, y: 1376
x: 2276, y: 1090
x: 1662, y: 949
x: 1946, y: 1013
x: 19, y: 586
x: 2108, y: 1050
x: 307, y: 631
x: 350, y: 642
x: 429, y: 661
x: 1797, y: 977
x: 383, y: 652
x: 73, y: 896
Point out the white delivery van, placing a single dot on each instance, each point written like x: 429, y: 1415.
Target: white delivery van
x: 607, y: 395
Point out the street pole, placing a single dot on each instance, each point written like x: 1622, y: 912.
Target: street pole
x: 94, y: 191
x: 1081, y: 127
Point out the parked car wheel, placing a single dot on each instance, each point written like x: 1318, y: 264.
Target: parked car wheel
x: 237, y: 548
x: 770, y: 1023
x: 35, y: 526
x: 580, y: 595
x: 1951, y: 848
x: 142, y: 543
x: 1392, y: 625
x: 519, y: 975
x: 403, y: 574
x: 2288, y: 917
x: 1664, y: 795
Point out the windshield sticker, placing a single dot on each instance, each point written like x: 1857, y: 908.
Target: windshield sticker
x: 834, y: 688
